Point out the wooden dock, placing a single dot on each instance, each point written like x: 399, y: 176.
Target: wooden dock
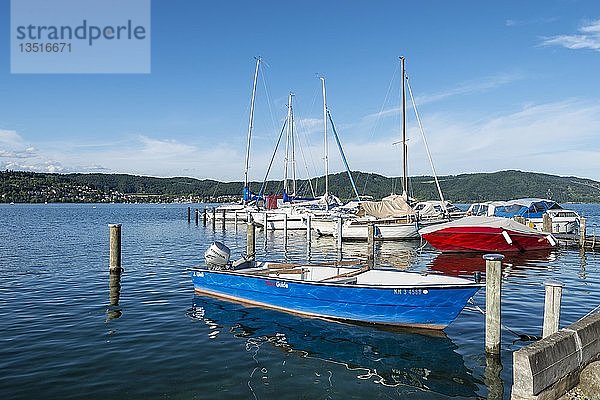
x: 591, y: 243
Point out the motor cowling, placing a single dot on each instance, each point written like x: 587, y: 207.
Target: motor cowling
x: 217, y: 256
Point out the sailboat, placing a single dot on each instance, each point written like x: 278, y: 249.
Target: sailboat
x: 392, y: 217
x: 323, y: 207
x: 280, y: 211
x: 242, y: 211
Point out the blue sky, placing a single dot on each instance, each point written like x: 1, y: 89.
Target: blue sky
x: 504, y: 85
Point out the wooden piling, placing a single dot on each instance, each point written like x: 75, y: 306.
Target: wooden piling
x: 547, y: 223
x: 552, y: 308
x: 115, y: 248
x: 582, y: 232
x: 493, y: 286
x: 371, y: 244
x: 265, y: 225
x: 197, y: 214
x: 250, y: 240
x: 189, y: 214
x: 308, y: 230
x: 204, y: 216
x: 214, y: 218
x: 223, y: 223
x: 339, y: 233
x: 285, y: 229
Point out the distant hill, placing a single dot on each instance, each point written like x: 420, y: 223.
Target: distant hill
x: 16, y: 186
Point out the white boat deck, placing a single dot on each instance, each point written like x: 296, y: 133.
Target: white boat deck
x: 349, y: 275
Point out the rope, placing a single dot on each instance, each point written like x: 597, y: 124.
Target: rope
x: 522, y: 336
x: 591, y: 312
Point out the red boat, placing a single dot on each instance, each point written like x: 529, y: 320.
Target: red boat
x: 486, y: 234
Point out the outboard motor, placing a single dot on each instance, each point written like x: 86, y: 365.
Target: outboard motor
x: 217, y: 256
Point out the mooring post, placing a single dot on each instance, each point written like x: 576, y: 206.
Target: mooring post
x: 265, y: 223
x: 214, y: 218
x: 547, y: 223
x: 493, y: 286
x: 308, y: 230
x: 204, y: 216
x: 235, y: 219
x: 582, y: 232
x: 197, y: 213
x: 371, y: 244
x: 339, y: 233
x: 189, y: 214
x: 552, y: 308
x: 285, y: 229
x: 250, y: 240
x: 115, y: 248
x: 223, y: 223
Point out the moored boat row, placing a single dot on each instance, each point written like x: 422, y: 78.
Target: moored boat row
x: 357, y: 292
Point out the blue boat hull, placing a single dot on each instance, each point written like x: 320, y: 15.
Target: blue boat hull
x: 432, y: 307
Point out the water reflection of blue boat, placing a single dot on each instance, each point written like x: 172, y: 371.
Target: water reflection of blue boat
x: 406, y: 360
x: 376, y: 296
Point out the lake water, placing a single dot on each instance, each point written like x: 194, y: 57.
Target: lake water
x: 64, y: 335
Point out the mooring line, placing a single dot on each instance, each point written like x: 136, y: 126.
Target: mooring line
x: 522, y: 336
x: 591, y: 312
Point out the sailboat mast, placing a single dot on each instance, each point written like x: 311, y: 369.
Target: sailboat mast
x: 293, y: 144
x: 287, y: 144
x: 404, y: 148
x: 251, y: 122
x: 326, y: 158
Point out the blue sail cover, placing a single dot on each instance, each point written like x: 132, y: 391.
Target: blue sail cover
x: 289, y: 199
x: 250, y: 195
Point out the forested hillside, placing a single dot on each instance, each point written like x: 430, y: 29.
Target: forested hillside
x: 33, y: 187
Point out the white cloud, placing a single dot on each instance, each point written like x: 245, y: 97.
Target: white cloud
x: 461, y: 89
x: 470, y: 87
x: 533, y: 21
x: 10, y: 138
x: 164, y: 148
x: 559, y: 138
x: 588, y: 38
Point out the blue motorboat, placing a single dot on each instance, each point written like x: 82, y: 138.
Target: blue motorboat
x: 340, y: 291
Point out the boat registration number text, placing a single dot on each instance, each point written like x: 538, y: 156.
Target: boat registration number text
x: 411, y: 291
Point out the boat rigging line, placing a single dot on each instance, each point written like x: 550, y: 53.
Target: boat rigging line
x: 263, y: 188
x: 437, y: 182
x: 337, y: 140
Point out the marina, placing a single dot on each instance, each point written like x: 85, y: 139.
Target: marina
x: 106, y: 337
x: 309, y: 200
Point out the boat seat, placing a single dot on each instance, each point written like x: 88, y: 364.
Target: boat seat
x: 347, y: 277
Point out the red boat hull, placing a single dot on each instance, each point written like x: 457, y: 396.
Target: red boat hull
x: 485, y: 239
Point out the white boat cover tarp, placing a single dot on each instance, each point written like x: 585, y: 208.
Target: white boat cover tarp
x: 490, y: 222
x: 393, y: 206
